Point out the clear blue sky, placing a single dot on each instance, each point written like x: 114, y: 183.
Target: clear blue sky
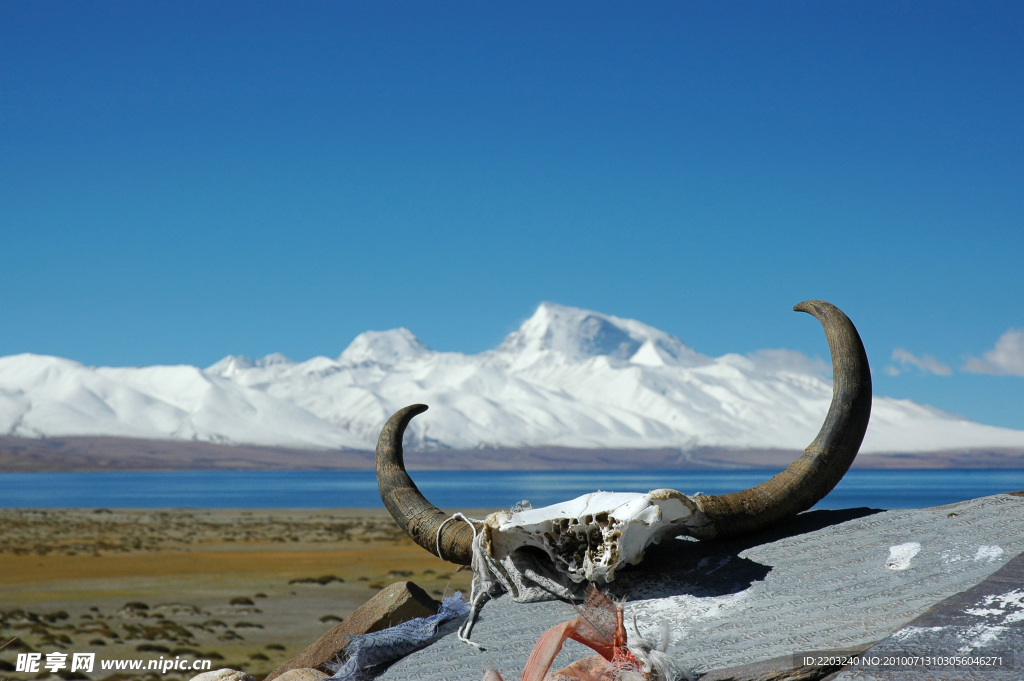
x: 184, y: 180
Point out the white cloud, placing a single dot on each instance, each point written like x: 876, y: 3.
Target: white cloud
x: 1006, y: 358
x: 924, y: 363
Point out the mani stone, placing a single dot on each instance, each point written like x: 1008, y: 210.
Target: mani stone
x: 983, y: 623
x: 400, y: 602
x: 223, y: 675
x: 839, y: 580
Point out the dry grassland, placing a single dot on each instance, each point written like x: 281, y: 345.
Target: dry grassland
x: 248, y: 589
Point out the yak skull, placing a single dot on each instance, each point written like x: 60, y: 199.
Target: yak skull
x: 591, y: 537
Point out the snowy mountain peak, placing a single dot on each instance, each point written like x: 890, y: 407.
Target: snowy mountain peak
x: 383, y: 347
x: 233, y: 365
x: 580, y: 334
x: 650, y: 355
x: 567, y: 377
x: 575, y: 333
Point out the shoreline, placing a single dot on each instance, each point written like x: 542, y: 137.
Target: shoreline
x: 357, y: 491
x: 94, y: 454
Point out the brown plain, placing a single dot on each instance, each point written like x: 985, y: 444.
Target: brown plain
x: 253, y: 587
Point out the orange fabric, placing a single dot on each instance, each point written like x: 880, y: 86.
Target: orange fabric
x: 600, y: 627
x: 546, y: 650
x: 594, y: 668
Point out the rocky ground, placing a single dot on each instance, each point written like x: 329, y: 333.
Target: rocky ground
x: 246, y: 589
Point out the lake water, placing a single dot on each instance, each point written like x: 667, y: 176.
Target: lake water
x: 466, y: 489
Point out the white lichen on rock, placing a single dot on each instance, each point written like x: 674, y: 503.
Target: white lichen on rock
x: 988, y: 553
x: 901, y: 555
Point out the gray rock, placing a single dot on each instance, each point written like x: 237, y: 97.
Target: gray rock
x: 400, y: 602
x: 985, y: 621
x: 784, y: 668
x: 828, y: 580
x: 223, y: 675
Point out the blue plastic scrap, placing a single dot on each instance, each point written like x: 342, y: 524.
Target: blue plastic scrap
x: 369, y: 655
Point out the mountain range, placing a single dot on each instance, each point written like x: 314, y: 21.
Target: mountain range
x: 567, y: 377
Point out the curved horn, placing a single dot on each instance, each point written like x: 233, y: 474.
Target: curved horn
x: 825, y: 460
x: 418, y: 517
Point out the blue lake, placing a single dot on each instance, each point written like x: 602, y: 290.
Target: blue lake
x: 466, y: 489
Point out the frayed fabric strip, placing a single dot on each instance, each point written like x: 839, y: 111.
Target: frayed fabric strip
x: 524, y: 576
x: 476, y: 599
x: 369, y: 655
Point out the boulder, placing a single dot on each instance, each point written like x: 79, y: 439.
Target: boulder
x: 400, y: 602
x: 223, y: 675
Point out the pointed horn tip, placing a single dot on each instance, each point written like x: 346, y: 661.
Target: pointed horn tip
x: 394, y: 428
x: 401, y: 418
x: 812, y: 306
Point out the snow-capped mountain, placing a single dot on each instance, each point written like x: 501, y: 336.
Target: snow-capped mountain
x: 566, y: 377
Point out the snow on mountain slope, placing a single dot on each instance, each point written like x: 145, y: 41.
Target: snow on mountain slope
x: 49, y: 396
x: 566, y: 377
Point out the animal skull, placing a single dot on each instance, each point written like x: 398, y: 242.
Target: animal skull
x: 589, y: 538
x: 592, y: 536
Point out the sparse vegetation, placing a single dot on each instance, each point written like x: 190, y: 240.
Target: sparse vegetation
x: 208, y: 588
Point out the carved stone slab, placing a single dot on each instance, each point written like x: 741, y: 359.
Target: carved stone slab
x: 976, y: 634
x: 828, y: 580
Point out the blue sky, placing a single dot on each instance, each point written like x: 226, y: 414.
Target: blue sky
x: 184, y: 180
